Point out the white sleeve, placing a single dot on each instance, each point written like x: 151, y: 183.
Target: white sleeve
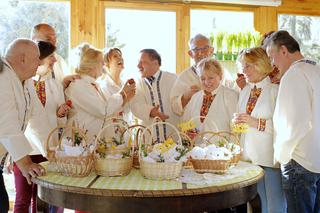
x: 139, y: 106
x: 290, y: 125
x: 11, y: 134
x: 176, y: 94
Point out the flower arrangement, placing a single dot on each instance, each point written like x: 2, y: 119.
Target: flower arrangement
x: 239, y: 128
x: 114, y: 147
x: 168, y: 151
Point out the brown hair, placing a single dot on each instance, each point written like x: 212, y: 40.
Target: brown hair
x: 107, y: 55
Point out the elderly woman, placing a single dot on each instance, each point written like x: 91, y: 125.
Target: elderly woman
x: 111, y: 83
x: 256, y: 107
x: 50, y: 94
x: 90, y: 105
x: 214, y: 105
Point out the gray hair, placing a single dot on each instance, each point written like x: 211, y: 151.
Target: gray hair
x: 18, y: 46
x: 196, y: 38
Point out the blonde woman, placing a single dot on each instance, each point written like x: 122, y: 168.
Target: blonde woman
x: 90, y: 104
x: 256, y: 107
x: 215, y: 103
x: 111, y: 83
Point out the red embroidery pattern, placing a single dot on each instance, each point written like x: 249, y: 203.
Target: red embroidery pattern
x: 262, y: 124
x: 254, y: 95
x: 41, y: 91
x: 206, y: 103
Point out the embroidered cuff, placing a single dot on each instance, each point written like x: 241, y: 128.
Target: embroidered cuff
x: 262, y: 124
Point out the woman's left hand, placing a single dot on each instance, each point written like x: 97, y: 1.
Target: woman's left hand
x: 248, y: 119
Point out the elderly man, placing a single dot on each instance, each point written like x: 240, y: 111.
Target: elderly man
x: 152, y: 94
x: 297, y: 123
x: 44, y: 32
x: 18, y: 100
x: 188, y: 82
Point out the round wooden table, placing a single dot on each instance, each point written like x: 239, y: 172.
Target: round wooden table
x: 134, y: 193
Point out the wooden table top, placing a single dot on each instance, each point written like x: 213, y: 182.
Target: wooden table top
x: 135, y: 185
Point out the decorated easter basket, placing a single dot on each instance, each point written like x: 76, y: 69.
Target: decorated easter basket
x: 230, y: 141
x: 158, y: 170
x: 113, y: 154
x: 75, y: 166
x: 218, y: 166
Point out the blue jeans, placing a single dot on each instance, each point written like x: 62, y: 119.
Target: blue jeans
x: 301, y: 187
x: 4, y: 199
x: 270, y: 191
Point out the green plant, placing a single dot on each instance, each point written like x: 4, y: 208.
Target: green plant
x: 219, y: 41
x: 256, y: 38
x: 211, y: 39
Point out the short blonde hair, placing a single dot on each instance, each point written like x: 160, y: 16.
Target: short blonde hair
x: 87, y: 58
x: 213, y: 66
x: 258, y: 57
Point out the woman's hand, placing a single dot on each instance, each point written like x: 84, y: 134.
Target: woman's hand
x: 63, y: 109
x: 245, y: 118
x: 128, y: 90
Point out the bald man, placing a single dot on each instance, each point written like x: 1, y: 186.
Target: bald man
x: 17, y: 98
x: 45, y: 32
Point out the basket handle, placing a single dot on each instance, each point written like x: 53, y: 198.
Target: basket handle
x: 60, y: 139
x: 149, y: 128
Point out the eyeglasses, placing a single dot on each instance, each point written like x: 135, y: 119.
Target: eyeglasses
x: 201, y: 49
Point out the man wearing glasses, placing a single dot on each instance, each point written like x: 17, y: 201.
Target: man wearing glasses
x: 188, y: 82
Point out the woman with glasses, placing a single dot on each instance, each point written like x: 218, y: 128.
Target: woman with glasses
x: 255, y: 108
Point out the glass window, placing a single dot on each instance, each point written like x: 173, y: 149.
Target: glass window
x: 223, y: 28
x: 144, y: 29
x: 18, y: 18
x: 306, y: 30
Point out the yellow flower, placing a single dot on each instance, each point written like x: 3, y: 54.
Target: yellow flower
x: 113, y: 147
x: 186, y: 126
x: 240, y: 128
x: 101, y: 149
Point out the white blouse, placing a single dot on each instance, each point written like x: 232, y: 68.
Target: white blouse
x: 90, y: 105
x: 220, y: 112
x: 258, y: 145
x: 54, y: 98
x: 297, y: 116
x: 112, y: 91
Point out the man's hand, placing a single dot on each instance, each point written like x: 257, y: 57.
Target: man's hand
x: 29, y: 169
x: 188, y: 94
x: 156, y: 113
x: 241, y: 81
x: 68, y: 79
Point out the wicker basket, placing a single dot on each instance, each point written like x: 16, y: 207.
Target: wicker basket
x: 111, y: 167
x: 232, y: 139
x: 210, y: 166
x: 158, y: 170
x: 75, y: 166
x: 215, y: 166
